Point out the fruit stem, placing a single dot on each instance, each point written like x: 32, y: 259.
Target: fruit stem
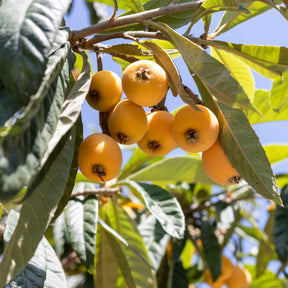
x: 191, y: 136
x: 99, y: 170
x: 154, y: 146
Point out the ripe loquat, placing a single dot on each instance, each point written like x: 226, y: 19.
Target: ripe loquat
x: 127, y: 122
x: 105, y: 91
x: 145, y: 83
x: 226, y: 272
x: 99, y: 157
x: 158, y: 139
x: 218, y: 167
x: 241, y: 278
x: 195, y: 131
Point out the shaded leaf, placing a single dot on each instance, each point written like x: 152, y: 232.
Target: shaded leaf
x: 37, y: 212
x: 179, y: 168
x: 26, y: 41
x: 243, y: 148
x: 81, y: 224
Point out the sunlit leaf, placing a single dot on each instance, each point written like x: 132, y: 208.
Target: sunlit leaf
x: 276, y: 153
x: 279, y: 93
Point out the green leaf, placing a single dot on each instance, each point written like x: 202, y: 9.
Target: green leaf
x: 243, y: 148
x: 163, y: 205
x: 232, y: 19
x: 211, y: 249
x: 125, y: 226
x: 265, y: 252
x: 280, y: 233
x: 81, y: 225
x: 155, y: 238
x: 211, y: 72
x: 135, y: 5
x: 212, y: 6
x: 279, y: 92
x: 276, y: 153
x: 26, y: 41
x: 179, y: 168
x: 44, y: 269
x: 261, y: 101
x: 37, y: 212
x: 239, y: 70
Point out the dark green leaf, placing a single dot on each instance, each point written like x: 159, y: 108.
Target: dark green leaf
x: 43, y: 270
x: 163, y: 205
x: 25, y: 43
x: 97, y: 12
x: 243, y: 148
x: 37, y: 212
x: 211, y: 249
x: 81, y: 224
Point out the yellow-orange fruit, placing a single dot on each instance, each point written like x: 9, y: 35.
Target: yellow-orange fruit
x: 218, y: 167
x: 99, y: 157
x: 127, y: 122
x: 158, y: 139
x: 226, y: 273
x: 145, y: 83
x: 105, y: 91
x: 195, y: 131
x: 241, y: 278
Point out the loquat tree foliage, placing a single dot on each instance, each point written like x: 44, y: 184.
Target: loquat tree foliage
x: 162, y: 221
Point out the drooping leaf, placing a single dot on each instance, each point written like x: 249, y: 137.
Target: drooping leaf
x: 26, y: 41
x: 179, y: 168
x: 142, y: 274
x: 155, y: 238
x: 239, y: 70
x: 211, y: 72
x: 231, y: 19
x: 37, y: 212
x: 261, y: 101
x: 279, y: 92
x: 280, y: 233
x: 163, y: 205
x: 43, y: 270
x: 243, y: 147
x: 81, y: 225
x: 211, y: 249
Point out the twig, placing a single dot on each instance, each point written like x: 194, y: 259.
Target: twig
x: 113, y: 16
x: 193, y: 96
x: 104, y: 191
x: 133, y: 18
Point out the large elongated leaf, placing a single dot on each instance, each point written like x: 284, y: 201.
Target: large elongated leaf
x: 179, y: 168
x: 142, y: 274
x: 81, y: 224
x: 276, y: 153
x: 214, y: 74
x: 24, y: 45
x: 163, y: 205
x: 243, y: 147
x: 37, y: 211
x: 43, y: 270
x: 279, y: 92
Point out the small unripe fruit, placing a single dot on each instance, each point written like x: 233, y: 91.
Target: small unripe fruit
x: 127, y: 122
x: 158, y: 139
x: 99, y: 157
x: 195, y: 131
x: 105, y: 91
x: 145, y: 83
x: 218, y: 167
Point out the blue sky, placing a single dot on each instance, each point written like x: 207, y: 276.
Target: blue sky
x: 266, y: 29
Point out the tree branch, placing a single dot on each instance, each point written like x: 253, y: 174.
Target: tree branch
x: 133, y: 18
x: 104, y: 191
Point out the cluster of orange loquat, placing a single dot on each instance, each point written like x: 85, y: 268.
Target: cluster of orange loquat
x: 157, y: 133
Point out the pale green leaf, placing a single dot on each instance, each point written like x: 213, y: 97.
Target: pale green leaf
x: 279, y: 93
x: 276, y: 153
x: 239, y: 70
x: 135, y: 5
x: 178, y: 168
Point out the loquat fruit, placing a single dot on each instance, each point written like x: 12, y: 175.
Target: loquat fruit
x: 145, y: 83
x: 195, y: 131
x: 241, y: 278
x: 218, y: 167
x: 127, y: 122
x: 226, y: 272
x: 158, y: 139
x: 99, y: 157
x: 105, y: 91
